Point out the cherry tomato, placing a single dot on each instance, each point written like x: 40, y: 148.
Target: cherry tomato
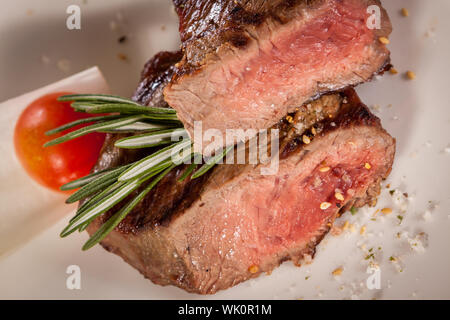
x: 56, y: 165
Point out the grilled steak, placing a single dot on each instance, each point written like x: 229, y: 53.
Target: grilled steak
x: 247, y: 63
x: 232, y: 224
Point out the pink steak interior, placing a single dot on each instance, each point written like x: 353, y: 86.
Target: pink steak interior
x: 298, y: 57
x: 282, y: 213
x: 289, y: 213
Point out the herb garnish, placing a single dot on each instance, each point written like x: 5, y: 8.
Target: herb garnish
x: 103, y: 190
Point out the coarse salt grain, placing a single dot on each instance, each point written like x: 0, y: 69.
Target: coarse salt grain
x: 325, y: 205
x: 339, y: 196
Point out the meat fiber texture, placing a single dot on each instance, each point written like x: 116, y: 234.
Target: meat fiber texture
x: 233, y: 223
x: 246, y: 64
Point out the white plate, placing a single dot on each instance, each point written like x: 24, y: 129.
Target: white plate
x: 29, y: 208
x: 415, y: 112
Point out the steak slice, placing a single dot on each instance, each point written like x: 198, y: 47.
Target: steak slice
x: 247, y: 63
x: 233, y: 223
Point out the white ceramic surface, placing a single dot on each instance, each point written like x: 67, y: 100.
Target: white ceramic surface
x: 415, y: 112
x: 28, y: 208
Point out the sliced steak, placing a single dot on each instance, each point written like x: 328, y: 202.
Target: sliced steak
x: 247, y: 63
x: 234, y: 223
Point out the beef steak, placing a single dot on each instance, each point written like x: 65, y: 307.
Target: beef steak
x: 233, y: 224
x: 247, y: 63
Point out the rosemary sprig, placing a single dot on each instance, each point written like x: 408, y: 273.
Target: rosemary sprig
x: 105, y: 189
x: 98, y: 127
x: 81, y: 121
x: 83, y: 181
x: 107, y: 227
x: 95, y: 199
x: 109, y: 201
x: 98, y: 184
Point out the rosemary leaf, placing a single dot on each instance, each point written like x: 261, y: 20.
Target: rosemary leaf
x: 100, y: 183
x: 120, y: 108
x: 138, y: 126
x: 196, y: 159
x: 102, y: 206
x: 107, y: 202
x: 168, y: 117
x: 150, y: 139
x: 81, y: 121
x: 96, y: 98
x: 187, y: 172
x: 211, y: 163
x: 90, y: 189
x: 84, y: 226
x: 96, y: 198
x: 107, y: 227
x: 146, y: 164
x: 94, y: 128
x: 75, y: 184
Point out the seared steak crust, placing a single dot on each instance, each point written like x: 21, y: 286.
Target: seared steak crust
x: 156, y: 74
x: 206, y: 25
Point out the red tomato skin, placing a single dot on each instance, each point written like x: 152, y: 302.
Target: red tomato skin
x: 57, y: 165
